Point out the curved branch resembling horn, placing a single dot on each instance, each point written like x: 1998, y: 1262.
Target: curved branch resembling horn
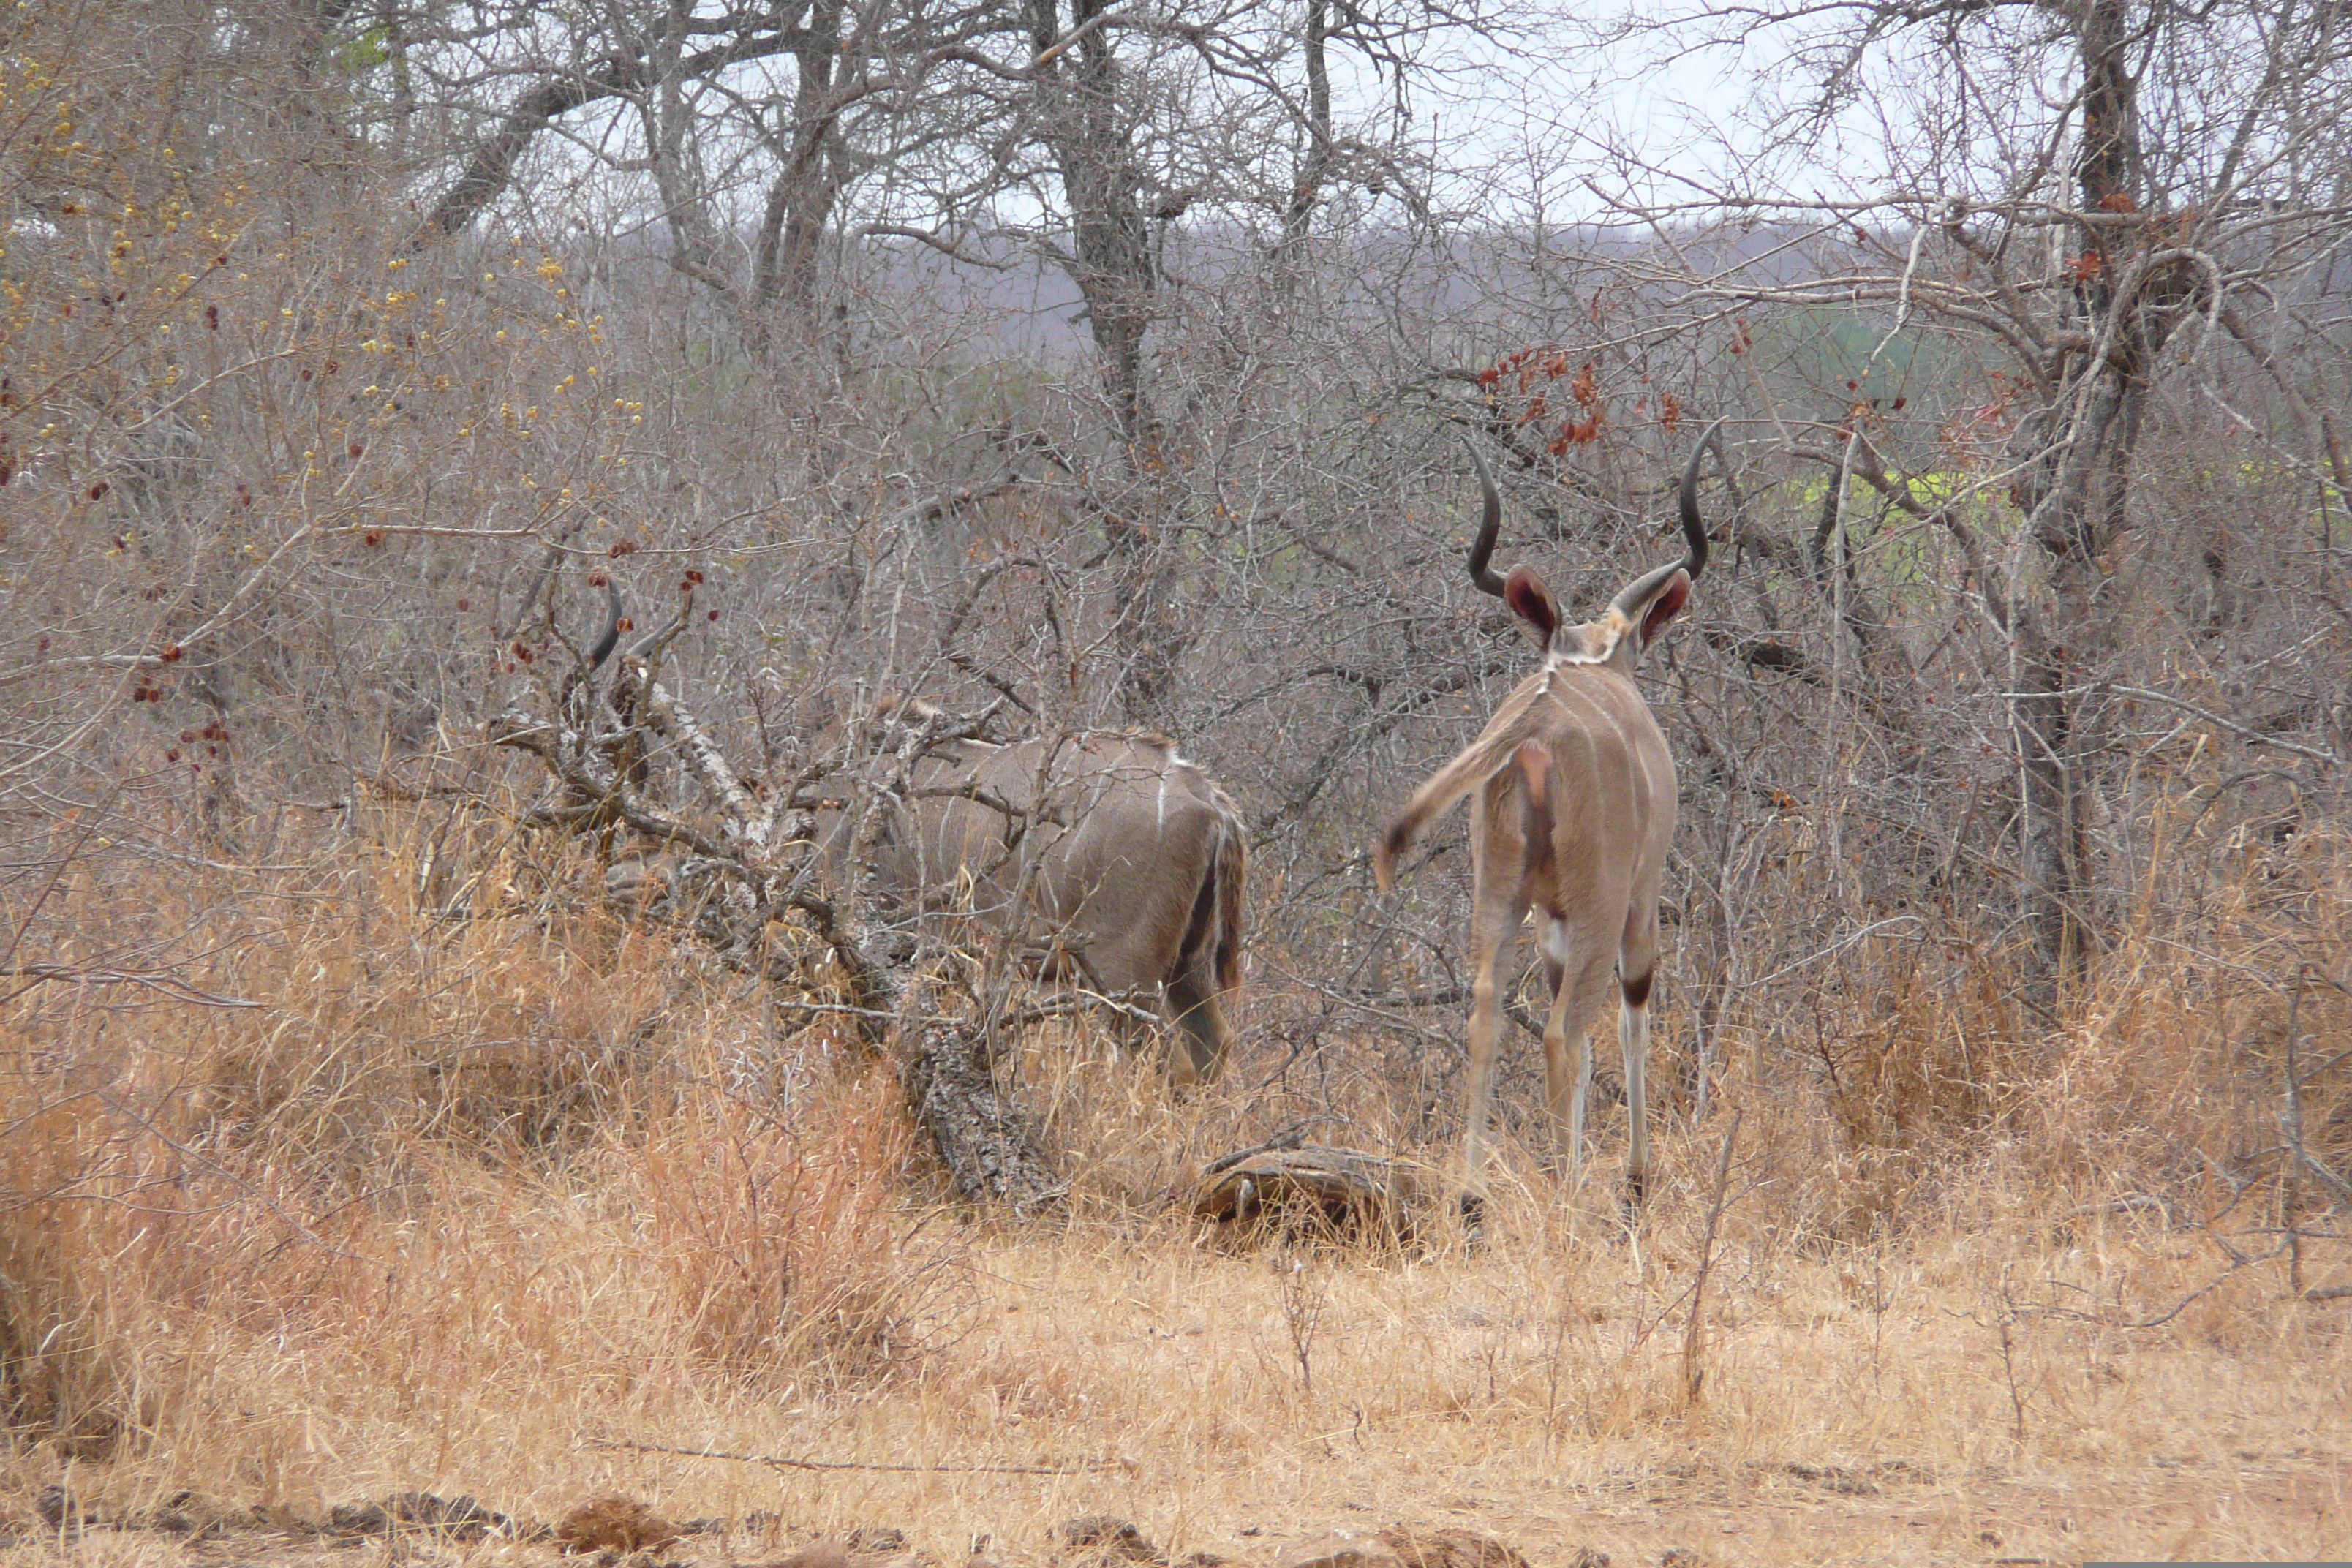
x: 1488, y: 580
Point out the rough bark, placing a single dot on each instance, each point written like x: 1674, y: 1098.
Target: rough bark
x: 491, y: 167
x: 989, y: 1147
x: 801, y: 198
x: 609, y: 747
x: 1314, y: 165
x: 1110, y: 245
x: 2075, y: 496
x: 1110, y: 261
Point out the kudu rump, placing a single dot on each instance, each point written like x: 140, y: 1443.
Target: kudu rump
x: 1572, y: 808
x: 1120, y: 856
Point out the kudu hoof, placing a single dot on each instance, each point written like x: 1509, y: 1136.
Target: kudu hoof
x: 1636, y: 1190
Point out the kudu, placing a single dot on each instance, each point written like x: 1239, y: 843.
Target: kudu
x: 1120, y: 857
x: 1572, y: 808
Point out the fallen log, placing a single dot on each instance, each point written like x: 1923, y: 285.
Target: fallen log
x: 1294, y: 1189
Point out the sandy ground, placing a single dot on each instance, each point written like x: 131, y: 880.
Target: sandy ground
x: 2175, y: 1510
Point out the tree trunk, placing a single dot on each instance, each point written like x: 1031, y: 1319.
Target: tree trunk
x: 1110, y: 254
x: 1110, y: 261
x: 1314, y: 164
x: 2075, y: 496
x: 801, y: 199
x: 988, y: 1146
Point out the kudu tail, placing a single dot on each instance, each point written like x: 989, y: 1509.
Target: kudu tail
x: 1213, y: 935
x: 1205, y: 984
x: 1436, y: 797
x: 1233, y: 877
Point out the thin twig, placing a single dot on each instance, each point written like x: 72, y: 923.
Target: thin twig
x: 1083, y: 1468
x: 1694, y: 1374
x: 2008, y: 1366
x: 2291, y: 1123
x: 177, y: 989
x: 2315, y: 752
x: 2240, y: 1261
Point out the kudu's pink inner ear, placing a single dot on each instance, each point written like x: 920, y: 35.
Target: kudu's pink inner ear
x: 1532, y: 603
x: 1666, y: 607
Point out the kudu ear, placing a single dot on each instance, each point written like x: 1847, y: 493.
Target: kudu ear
x: 1533, y: 603
x: 1651, y: 614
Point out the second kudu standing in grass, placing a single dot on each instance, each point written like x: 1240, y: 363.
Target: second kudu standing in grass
x: 1119, y: 857
x: 1573, y: 807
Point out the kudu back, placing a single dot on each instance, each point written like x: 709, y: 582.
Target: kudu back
x: 1122, y: 859
x: 1572, y: 808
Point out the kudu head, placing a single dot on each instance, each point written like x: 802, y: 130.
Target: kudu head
x: 1635, y: 617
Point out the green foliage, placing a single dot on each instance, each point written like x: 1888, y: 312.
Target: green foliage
x: 1813, y: 352
x: 366, y: 52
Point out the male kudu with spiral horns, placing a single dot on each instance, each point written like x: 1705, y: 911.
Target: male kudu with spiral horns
x: 1572, y: 808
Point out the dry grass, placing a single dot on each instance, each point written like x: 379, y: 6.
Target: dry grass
x: 486, y: 1187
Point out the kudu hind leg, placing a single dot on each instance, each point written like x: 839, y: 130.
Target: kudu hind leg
x: 1573, y: 1011
x: 1637, y: 967
x: 1564, y: 1095
x: 1204, y: 1034
x: 1633, y: 1036
x: 1203, y: 1037
x: 1494, y: 922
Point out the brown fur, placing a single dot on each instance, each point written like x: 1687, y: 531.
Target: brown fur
x: 1572, y: 808
x: 1535, y: 815
x: 1232, y: 876
x: 1572, y: 805
x: 1479, y: 761
x: 1131, y: 860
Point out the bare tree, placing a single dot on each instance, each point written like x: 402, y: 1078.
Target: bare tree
x: 2177, y: 202
x: 1113, y: 378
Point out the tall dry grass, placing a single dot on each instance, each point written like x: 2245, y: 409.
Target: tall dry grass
x: 491, y: 1178
x: 471, y: 1134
